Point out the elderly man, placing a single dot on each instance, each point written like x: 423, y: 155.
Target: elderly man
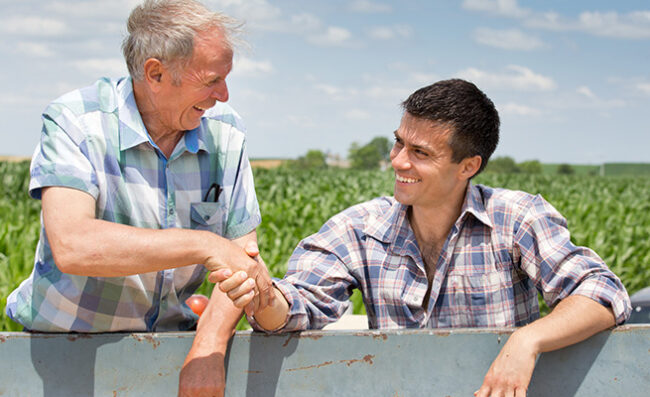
x: 145, y: 186
x: 446, y: 253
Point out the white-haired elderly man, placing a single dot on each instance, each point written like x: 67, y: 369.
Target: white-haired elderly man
x: 145, y: 187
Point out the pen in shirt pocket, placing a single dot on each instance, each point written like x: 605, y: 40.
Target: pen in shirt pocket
x: 213, y: 193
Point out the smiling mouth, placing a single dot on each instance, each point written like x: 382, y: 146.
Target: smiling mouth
x: 406, y: 180
x: 200, y: 109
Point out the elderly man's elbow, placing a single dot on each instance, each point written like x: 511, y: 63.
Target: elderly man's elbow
x: 67, y: 256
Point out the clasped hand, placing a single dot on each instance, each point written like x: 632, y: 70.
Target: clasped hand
x: 247, y: 282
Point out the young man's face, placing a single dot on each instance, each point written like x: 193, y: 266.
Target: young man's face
x: 202, y: 83
x: 425, y: 175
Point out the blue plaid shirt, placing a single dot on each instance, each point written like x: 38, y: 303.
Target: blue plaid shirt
x: 94, y: 140
x: 504, y: 248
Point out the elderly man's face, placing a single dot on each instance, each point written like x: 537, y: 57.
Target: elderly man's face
x: 180, y: 104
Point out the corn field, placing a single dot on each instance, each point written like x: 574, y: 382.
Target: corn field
x: 608, y: 214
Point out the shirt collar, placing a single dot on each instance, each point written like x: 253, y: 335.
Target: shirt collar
x: 393, y: 228
x: 133, y: 132
x: 474, y: 205
x: 131, y: 127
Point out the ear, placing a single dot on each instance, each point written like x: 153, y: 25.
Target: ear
x: 153, y: 73
x: 469, y: 166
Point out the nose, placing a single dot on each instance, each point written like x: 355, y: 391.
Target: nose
x: 220, y: 91
x: 399, y: 158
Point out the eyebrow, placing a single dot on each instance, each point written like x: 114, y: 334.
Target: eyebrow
x: 415, y: 146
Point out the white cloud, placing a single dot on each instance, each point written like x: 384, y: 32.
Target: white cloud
x: 357, y: 114
x: 247, y: 67
x: 305, y: 22
x: 34, y: 49
x: 333, y: 36
x: 367, y: 6
x: 584, y: 90
x: 506, y: 8
x: 519, y: 78
x: 511, y: 39
x: 32, y: 26
x: 109, y: 67
x: 91, y: 9
x: 517, y: 109
x: 644, y: 87
x: 258, y: 14
x: 634, y: 25
x: 390, y: 32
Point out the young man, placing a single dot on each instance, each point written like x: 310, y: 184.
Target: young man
x: 146, y: 186
x: 446, y: 253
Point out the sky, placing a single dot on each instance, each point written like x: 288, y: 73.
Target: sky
x: 571, y: 79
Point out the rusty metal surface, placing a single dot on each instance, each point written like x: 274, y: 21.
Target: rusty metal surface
x: 319, y: 363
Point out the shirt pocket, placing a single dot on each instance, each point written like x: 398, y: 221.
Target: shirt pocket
x: 481, y: 299
x: 209, y: 216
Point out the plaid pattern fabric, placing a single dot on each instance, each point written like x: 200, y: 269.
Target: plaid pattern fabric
x: 504, y: 248
x: 94, y: 140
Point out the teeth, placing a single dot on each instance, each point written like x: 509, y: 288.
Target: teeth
x: 406, y: 180
x: 200, y: 108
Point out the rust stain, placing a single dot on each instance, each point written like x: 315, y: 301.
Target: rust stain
x: 310, y: 366
x: 367, y: 359
x: 74, y: 337
x: 2, y: 339
x: 380, y: 336
x: 147, y: 338
x: 254, y: 372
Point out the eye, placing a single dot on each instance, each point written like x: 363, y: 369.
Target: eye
x: 421, y: 153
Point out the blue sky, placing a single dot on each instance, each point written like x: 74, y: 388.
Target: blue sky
x: 571, y: 79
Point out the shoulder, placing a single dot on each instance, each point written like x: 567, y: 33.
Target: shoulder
x: 223, y: 129
x: 513, y: 207
x: 359, y: 216
x: 101, y: 96
x: 499, y: 199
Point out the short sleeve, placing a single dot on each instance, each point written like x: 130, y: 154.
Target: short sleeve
x: 61, y: 158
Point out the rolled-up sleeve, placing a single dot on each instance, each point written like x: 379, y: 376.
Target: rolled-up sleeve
x: 318, y: 284
x: 559, y: 268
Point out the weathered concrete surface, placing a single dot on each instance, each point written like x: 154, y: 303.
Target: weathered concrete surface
x: 319, y: 363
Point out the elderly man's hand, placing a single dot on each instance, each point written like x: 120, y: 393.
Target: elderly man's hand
x: 251, y: 287
x: 510, y: 373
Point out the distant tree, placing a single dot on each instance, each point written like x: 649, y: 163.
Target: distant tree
x: 313, y: 159
x: 383, y: 146
x: 370, y: 155
x: 530, y: 167
x: 502, y: 165
x: 565, y: 169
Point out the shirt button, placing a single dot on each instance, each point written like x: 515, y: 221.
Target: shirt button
x: 206, y: 217
x: 171, y: 211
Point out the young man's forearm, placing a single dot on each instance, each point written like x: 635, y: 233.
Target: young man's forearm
x: 574, y: 319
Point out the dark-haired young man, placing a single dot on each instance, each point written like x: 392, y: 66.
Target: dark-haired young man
x: 446, y: 253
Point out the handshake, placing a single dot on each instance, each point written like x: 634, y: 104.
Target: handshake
x: 247, y: 283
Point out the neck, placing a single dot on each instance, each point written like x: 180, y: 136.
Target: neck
x: 165, y: 138
x: 431, y: 224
